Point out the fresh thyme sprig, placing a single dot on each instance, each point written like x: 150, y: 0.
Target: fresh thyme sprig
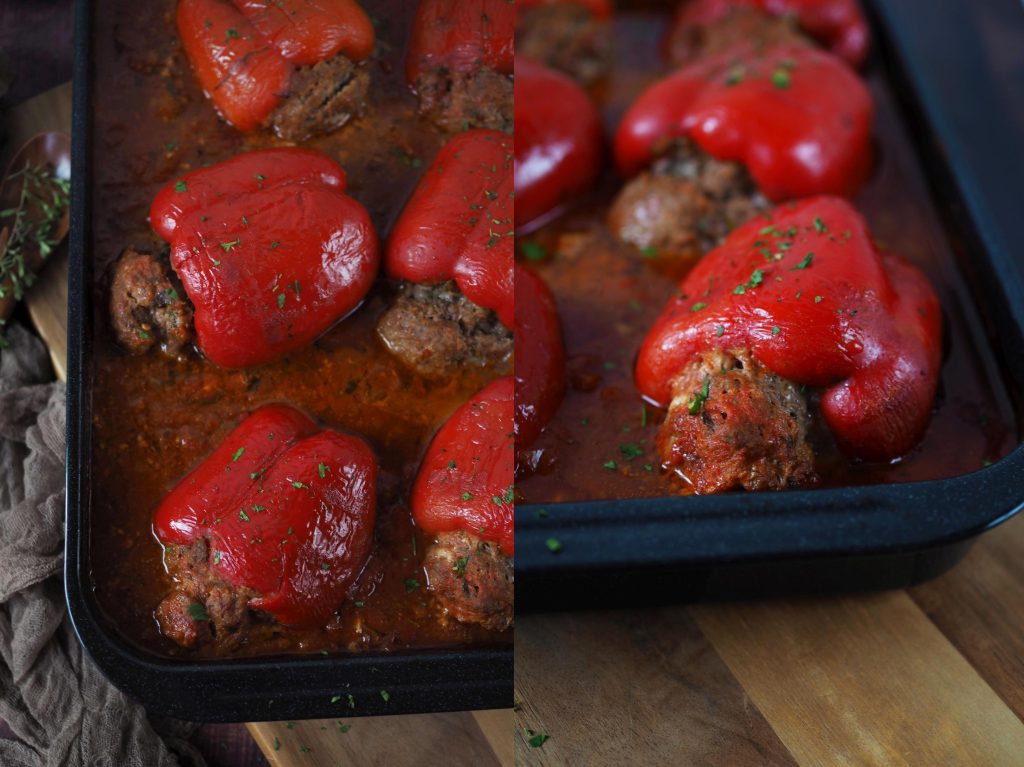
x: 34, y: 227
x: 33, y: 230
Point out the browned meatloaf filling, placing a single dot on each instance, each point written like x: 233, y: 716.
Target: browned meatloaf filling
x: 459, y: 101
x: 323, y: 97
x: 436, y: 331
x: 685, y: 204
x: 148, y: 306
x: 566, y: 37
x: 733, y: 424
x: 473, y: 580
x: 202, y: 607
x: 750, y: 27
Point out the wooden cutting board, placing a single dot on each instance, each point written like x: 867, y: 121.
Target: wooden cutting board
x: 929, y: 676
x: 478, y: 738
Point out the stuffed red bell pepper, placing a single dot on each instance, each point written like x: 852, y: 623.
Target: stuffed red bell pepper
x: 287, y: 64
x: 725, y: 133
x: 453, y: 248
x: 269, y: 249
x: 558, y: 141
x: 460, y: 62
x: 279, y: 519
x: 540, y: 357
x: 799, y: 299
x: 708, y: 27
x: 463, y: 496
x: 572, y: 36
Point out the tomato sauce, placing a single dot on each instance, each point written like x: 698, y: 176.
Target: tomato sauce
x: 601, y: 443
x: 155, y: 418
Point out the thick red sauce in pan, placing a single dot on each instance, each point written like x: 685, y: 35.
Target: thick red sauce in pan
x: 155, y: 418
x: 601, y: 443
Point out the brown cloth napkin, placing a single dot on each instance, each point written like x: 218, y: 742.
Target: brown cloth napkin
x: 59, y: 705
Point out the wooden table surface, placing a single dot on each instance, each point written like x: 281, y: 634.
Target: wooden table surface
x: 933, y: 675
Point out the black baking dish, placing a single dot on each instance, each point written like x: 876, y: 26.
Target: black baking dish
x: 258, y: 689
x: 956, y: 90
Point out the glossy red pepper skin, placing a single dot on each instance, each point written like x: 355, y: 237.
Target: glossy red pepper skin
x: 839, y: 25
x: 308, y: 31
x: 461, y: 36
x: 288, y: 510
x: 540, y: 357
x: 601, y: 9
x: 244, y: 52
x: 270, y: 250
x: 458, y: 223
x: 797, y: 118
x: 864, y: 326
x: 465, y: 480
x: 558, y: 141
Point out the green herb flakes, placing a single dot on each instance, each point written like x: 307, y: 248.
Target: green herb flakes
x: 697, y: 403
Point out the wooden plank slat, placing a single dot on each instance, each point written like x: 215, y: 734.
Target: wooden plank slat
x: 633, y: 687
x: 979, y: 606
x: 863, y: 681
x: 454, y: 739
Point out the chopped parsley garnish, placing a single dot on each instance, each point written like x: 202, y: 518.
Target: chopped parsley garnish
x: 535, y: 739
x: 242, y: 515
x: 172, y: 294
x: 198, y: 612
x: 325, y: 566
x: 460, y: 566
x: 781, y: 78
x: 734, y: 76
x: 776, y: 330
x: 228, y: 246
x: 467, y: 496
x: 720, y: 331
x: 649, y: 252
x: 697, y: 403
x: 216, y: 557
x: 820, y: 225
x: 411, y: 584
x: 611, y: 465
x: 322, y: 470
x: 335, y: 698
x: 232, y: 32
x: 817, y: 299
x: 385, y: 695
x: 280, y: 300
x: 237, y: 455
x: 275, y: 244
x: 554, y: 545
x: 698, y: 306
x: 630, y: 451
x: 509, y: 494
x: 804, y: 263
x: 298, y: 485
x: 756, y: 278
x: 532, y: 251
x: 180, y: 186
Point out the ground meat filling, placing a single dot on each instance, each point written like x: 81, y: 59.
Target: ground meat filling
x: 459, y: 101
x: 741, y: 26
x: 147, y: 305
x: 685, y: 205
x: 435, y: 330
x: 202, y: 607
x: 733, y: 424
x: 323, y: 97
x: 472, y: 578
x: 566, y: 37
